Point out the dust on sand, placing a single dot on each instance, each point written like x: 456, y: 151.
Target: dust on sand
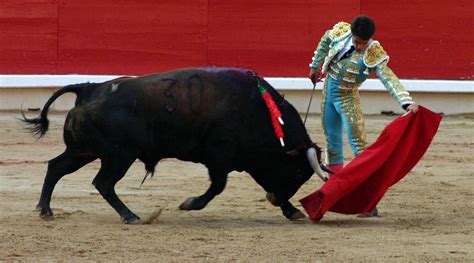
x: 428, y: 216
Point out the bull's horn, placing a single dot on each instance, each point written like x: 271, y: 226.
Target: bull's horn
x: 326, y: 169
x: 313, y: 161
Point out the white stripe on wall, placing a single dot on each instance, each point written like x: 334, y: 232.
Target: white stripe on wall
x: 441, y: 86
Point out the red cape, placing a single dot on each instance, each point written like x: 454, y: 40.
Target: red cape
x: 363, y: 182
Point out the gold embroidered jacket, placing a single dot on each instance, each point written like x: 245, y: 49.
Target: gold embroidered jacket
x: 354, y: 70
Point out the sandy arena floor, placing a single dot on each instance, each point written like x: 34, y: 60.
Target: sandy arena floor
x: 428, y: 216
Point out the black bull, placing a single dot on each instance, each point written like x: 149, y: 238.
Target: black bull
x: 213, y: 116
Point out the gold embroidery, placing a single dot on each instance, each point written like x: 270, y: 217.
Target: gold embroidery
x: 349, y: 78
x: 332, y: 74
x: 374, y: 55
x: 355, y: 57
x: 340, y: 29
x: 337, y: 33
x: 349, y: 85
x: 392, y: 84
x: 353, y: 112
x: 353, y: 68
x: 334, y: 68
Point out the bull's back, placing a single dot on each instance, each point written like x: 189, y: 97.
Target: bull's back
x: 174, y: 112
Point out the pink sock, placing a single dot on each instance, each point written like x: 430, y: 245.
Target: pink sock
x: 336, y: 167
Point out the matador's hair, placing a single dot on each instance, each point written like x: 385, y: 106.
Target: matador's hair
x: 363, y: 27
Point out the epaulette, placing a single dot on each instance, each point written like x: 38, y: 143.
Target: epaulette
x: 374, y: 54
x: 339, y: 31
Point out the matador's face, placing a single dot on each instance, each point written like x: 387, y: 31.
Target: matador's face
x: 359, y: 44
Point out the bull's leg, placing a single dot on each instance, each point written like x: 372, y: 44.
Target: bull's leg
x: 291, y: 212
x: 112, y: 170
x: 219, y: 156
x: 218, y: 182
x: 58, y: 167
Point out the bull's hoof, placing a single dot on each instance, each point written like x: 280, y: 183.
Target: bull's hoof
x: 46, y: 214
x: 192, y: 203
x: 296, y: 216
x: 293, y: 214
x: 188, y: 204
x: 272, y: 199
x: 131, y: 221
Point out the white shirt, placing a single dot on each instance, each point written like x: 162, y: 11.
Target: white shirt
x: 346, y: 47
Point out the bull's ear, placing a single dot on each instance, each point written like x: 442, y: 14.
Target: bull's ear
x: 293, y: 153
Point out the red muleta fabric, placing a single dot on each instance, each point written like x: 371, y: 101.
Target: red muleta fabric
x: 363, y: 182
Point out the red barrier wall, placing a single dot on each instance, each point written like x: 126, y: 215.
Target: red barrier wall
x: 426, y: 40
x: 28, y: 37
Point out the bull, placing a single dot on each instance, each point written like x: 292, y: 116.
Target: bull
x: 213, y: 116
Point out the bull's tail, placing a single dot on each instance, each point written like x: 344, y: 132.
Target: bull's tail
x: 39, y: 126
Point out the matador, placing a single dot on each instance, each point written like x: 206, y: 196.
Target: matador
x: 347, y: 55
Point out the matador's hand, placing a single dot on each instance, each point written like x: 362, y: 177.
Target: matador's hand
x: 315, y: 75
x: 413, y: 108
